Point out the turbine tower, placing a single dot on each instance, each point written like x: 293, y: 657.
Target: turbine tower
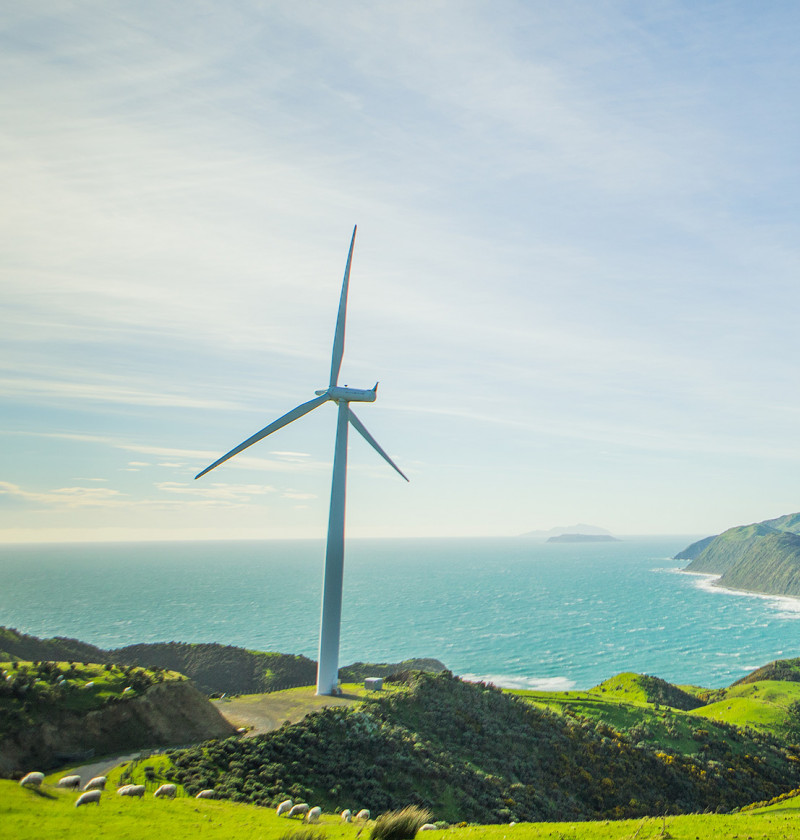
x: 330, y: 621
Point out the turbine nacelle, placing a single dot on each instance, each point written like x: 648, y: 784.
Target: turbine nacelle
x: 339, y: 393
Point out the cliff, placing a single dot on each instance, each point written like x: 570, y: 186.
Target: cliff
x: 166, y: 714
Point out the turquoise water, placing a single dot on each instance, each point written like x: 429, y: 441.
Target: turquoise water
x: 516, y: 611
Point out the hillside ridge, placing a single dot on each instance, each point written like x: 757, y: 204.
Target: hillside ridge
x: 213, y: 667
x: 762, y: 557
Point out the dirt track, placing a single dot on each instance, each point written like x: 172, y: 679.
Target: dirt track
x: 260, y: 713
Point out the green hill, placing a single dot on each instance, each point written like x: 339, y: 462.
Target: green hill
x: 790, y: 522
x: 647, y: 689
x: 691, y: 551
x: 214, y: 668
x: 16, y: 645
x: 733, y: 545
x: 771, y: 566
x: 762, y: 557
x: 472, y: 752
x: 787, y: 670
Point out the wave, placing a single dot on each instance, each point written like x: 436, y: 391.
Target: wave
x: 531, y: 683
x: 789, y: 606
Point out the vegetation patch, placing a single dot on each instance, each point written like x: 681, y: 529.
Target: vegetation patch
x: 470, y: 752
x: 400, y: 825
x: 32, y: 692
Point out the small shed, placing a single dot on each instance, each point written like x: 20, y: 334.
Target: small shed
x: 373, y: 683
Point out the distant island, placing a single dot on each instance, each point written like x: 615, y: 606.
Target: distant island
x: 763, y: 557
x: 564, y: 530
x: 582, y: 538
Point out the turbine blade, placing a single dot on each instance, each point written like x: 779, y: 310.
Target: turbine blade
x: 361, y: 429
x: 338, y: 338
x: 268, y: 430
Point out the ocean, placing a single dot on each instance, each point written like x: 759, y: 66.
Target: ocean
x: 514, y: 611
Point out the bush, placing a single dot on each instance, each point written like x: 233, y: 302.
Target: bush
x: 400, y: 825
x: 301, y: 834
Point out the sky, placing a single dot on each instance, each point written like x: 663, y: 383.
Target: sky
x: 575, y: 273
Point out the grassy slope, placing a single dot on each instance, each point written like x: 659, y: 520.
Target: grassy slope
x: 762, y: 557
x: 625, y: 703
x: 726, y: 550
x: 772, y: 566
x: 27, y: 815
x: 761, y: 705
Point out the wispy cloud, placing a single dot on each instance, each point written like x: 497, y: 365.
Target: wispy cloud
x: 68, y: 497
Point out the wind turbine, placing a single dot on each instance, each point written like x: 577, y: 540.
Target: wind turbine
x: 330, y: 621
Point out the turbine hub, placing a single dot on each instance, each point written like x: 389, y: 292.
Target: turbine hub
x: 339, y: 393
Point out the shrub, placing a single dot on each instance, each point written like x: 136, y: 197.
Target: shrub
x: 301, y: 834
x: 400, y: 825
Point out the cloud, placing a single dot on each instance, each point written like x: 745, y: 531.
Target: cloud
x: 66, y: 497
x: 294, y: 494
x: 107, y: 391
x: 93, y: 497
x: 217, y: 492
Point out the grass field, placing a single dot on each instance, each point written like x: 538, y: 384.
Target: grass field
x: 622, y: 702
x: 50, y: 814
x: 761, y: 705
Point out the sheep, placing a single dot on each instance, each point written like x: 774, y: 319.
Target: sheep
x: 299, y: 810
x: 131, y: 790
x: 166, y: 790
x: 97, y: 783
x: 347, y: 815
x: 72, y: 782
x: 430, y: 827
x: 363, y: 814
x: 89, y: 796
x: 314, y: 814
x: 206, y: 794
x: 34, y: 779
x: 284, y: 807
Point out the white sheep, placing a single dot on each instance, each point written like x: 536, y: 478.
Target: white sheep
x: 135, y: 790
x: 429, y: 827
x: 97, y: 783
x: 73, y: 782
x: 299, y: 810
x: 314, y: 814
x: 124, y: 790
x: 89, y: 796
x: 284, y: 807
x: 206, y: 794
x: 347, y: 815
x: 363, y: 814
x: 166, y: 790
x: 34, y: 779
